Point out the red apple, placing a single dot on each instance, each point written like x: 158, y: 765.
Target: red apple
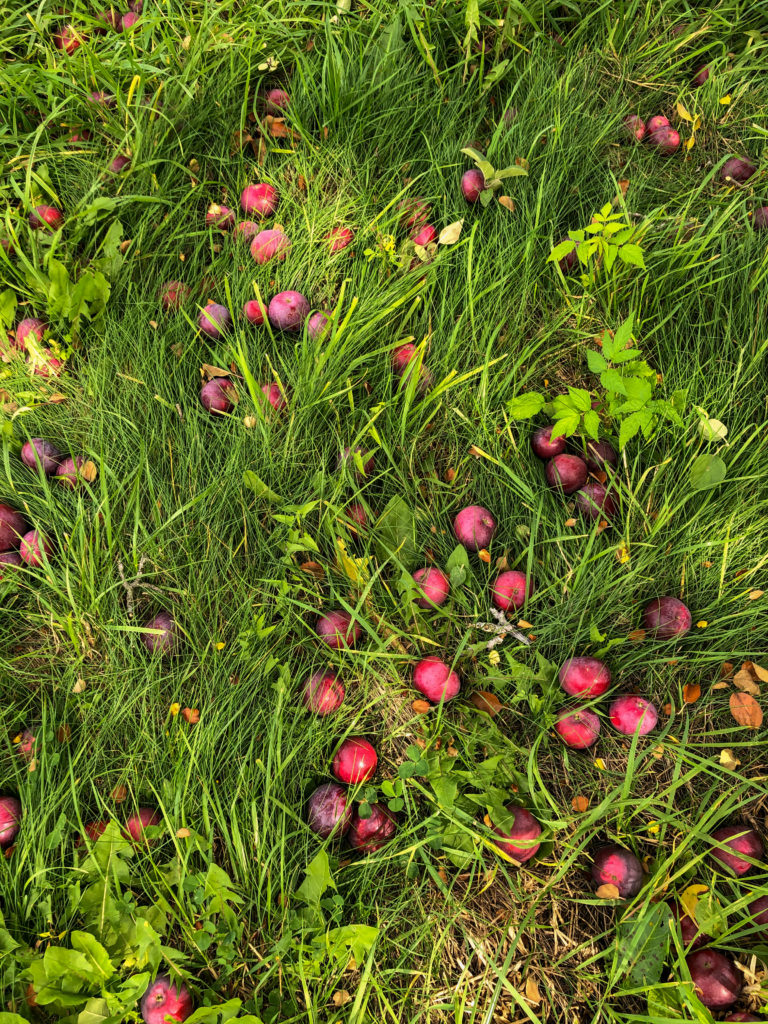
x: 544, y: 447
x: 474, y: 527
x: 635, y: 126
x: 613, y: 865
x: 35, y: 549
x: 261, y: 199
x: 718, y: 983
x: 339, y: 238
x: 13, y: 526
x: 578, y: 728
x: 520, y: 839
x: 510, y: 589
x: 472, y: 184
x: 146, y: 817
x: 733, y: 840
x: 369, y: 834
x: 355, y: 761
x: 10, y: 816
x: 328, y: 812
x: 667, y: 618
x: 166, y: 1002
x: 566, y: 473
x: 630, y: 714
x: 323, y: 693
x: 436, y: 680
x: 336, y: 629
x: 434, y: 586
x: 584, y: 677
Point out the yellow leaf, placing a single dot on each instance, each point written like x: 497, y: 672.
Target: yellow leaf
x: 450, y: 235
x: 697, y: 123
x: 690, y: 897
x: 744, y: 681
x: 507, y: 203
x: 753, y: 595
x: 600, y: 763
x: 727, y: 760
x: 524, y: 624
x: 760, y: 672
x: 220, y: 645
x: 725, y: 100
x: 702, y: 624
x: 79, y: 686
x: 690, y: 143
x: 622, y: 553
x: 682, y: 112
x: 175, y: 709
x: 607, y: 892
x: 653, y: 827
x: 355, y: 569
x: 532, y: 991
x: 183, y: 833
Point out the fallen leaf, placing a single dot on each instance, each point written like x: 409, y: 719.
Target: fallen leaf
x: 56, y: 399
x: 666, y: 710
x: 153, y: 324
x: 624, y: 186
x: 744, y: 681
x: 79, y: 686
x: 746, y: 711
x: 760, y: 672
x: 485, y: 701
x: 682, y: 112
x: 532, y: 991
x: 570, y: 522
x: 119, y: 794
x: 301, y: 183
x: 580, y: 804
x: 720, y: 686
x: 341, y: 997
x: 507, y: 203
x: 524, y: 624
x: 450, y: 475
x: 209, y: 372
x: 450, y: 235
x: 32, y: 766
x: 702, y: 624
x: 727, y: 760
x: 691, y: 693
x: 753, y: 595
x: 600, y: 763
x: 63, y: 733
x: 607, y: 892
x: 622, y: 553
x: 725, y: 100
x: 191, y: 715
x: 484, y: 555
x: 502, y: 564
x: 89, y: 471
x: 249, y: 422
x: 690, y: 897
x: 421, y: 707
x: 183, y: 833
x: 451, y: 751
x: 185, y: 42
x: 637, y: 636
x: 726, y: 668
x: 314, y: 569
x: 657, y: 752
x: 520, y: 161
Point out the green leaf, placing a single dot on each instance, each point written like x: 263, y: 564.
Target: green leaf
x: 592, y: 424
x: 560, y: 250
x: 707, y: 471
x: 580, y: 399
x: 632, y: 254
x: 621, y: 337
x: 97, y: 209
x: 523, y: 407
x: 610, y: 256
x: 566, y: 426
x: 458, y: 847
x: 475, y: 154
x: 395, y: 532
x: 457, y: 565
x: 512, y: 172
x: 7, y: 314
x: 94, y: 952
x: 638, y: 389
x: 259, y: 488
x: 712, y: 430
x: 629, y: 427
x: 486, y: 169
x: 642, y: 944
x: 495, y: 75
x: 486, y: 196
x: 664, y: 1004
x: 710, y: 916
x: 622, y: 237
x: 317, y: 880
x: 624, y: 355
x: 596, y: 361
x: 612, y: 380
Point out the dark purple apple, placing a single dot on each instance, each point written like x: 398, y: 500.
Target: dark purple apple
x: 434, y: 586
x: 9, y: 558
x: 436, y: 680
x: 166, y: 641
x: 336, y: 629
x: 667, y: 618
x: 38, y: 452
x: 584, y: 677
x: 120, y: 162
x: 544, y: 447
x: 718, y: 983
x: 599, y: 455
x: 214, y: 320
x: 570, y: 261
x: 700, y: 77
x: 355, y: 761
x: 734, y: 840
x: 474, y: 527
x: 216, y: 396
x: 758, y: 911
x: 630, y: 714
x: 369, y: 834
x: 737, y: 170
x: 328, y: 813
x: 510, y: 589
x: 578, y: 728
x: 274, y: 396
x: 566, y: 473
x: 166, y: 1002
x: 613, y: 865
x: 520, y: 839
x: 594, y: 501
x: 288, y: 310
x: 760, y: 218
x: 693, y: 937
x: 13, y: 526
x: 323, y: 693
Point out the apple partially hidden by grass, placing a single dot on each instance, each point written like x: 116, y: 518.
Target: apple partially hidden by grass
x: 510, y: 589
x: 214, y: 320
x: 328, y: 812
x: 323, y: 693
x: 544, y: 447
x: 13, y: 526
x: 735, y: 843
x: 578, y: 728
x: 339, y: 238
x: 173, y: 295
x: 337, y: 630
x: 613, y: 865
x: 667, y: 618
x: 46, y: 217
x: 145, y: 817
x: 566, y: 473
x: 737, y: 169
x: 635, y: 126
x: 718, y: 983
x: 166, y: 640
x: 261, y: 199
x: 369, y: 834
x: 73, y: 470
x: 630, y: 714
x: 35, y: 549
x: 10, y: 817
x: 254, y: 312
x: 288, y: 310
x: 595, y: 501
x: 474, y: 527
x: 39, y: 453
x: 434, y: 587
x: 520, y: 839
x: 271, y: 244
x: 216, y: 396
x: 166, y: 1001
x: 584, y: 677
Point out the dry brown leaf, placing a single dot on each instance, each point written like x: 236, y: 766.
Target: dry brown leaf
x: 637, y: 636
x: 666, y: 710
x: 239, y: 139
x: 301, y: 183
x: 623, y: 186
x: 421, y: 707
x: 451, y: 234
x: 760, y: 672
x: 88, y: 471
x: 314, y: 568
x: 502, y: 564
x: 507, y: 203
x: 183, y: 833
x: 79, y: 686
x: 56, y: 398
x: 727, y: 760
x: 450, y: 475
x: 726, y: 668
x: 63, y: 733
x: 209, y: 372
x: 744, y: 681
x: 691, y: 693
x: 570, y: 522
x: 580, y: 804
x: 753, y: 595
x: 520, y: 161
x: 341, y: 997
x: 119, y: 794
x: 485, y: 701
x: 720, y: 686
x: 524, y: 624
x: 746, y: 710
x: 607, y: 892
x: 191, y: 715
x: 532, y: 991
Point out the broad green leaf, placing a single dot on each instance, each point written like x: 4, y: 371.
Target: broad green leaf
x: 98, y: 208
x: 624, y: 355
x: 707, y: 471
x: 580, y: 399
x: 629, y: 427
x: 523, y: 407
x: 596, y: 361
x: 621, y: 337
x: 486, y: 168
x: 259, y: 488
x: 475, y: 154
x: 495, y: 75
x: 486, y: 196
x: 512, y: 172
x: 317, y: 879
x: 458, y: 847
x: 712, y: 430
x: 560, y: 250
x: 642, y: 944
x: 566, y: 426
x: 610, y: 256
x: 457, y: 565
x: 7, y: 316
x: 632, y: 254
x: 612, y: 380
x: 395, y: 532
x: 592, y: 424
x: 94, y: 952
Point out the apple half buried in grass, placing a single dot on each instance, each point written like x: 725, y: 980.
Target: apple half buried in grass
x: 614, y: 865
x: 758, y: 912
x: 436, y: 680
x: 38, y: 452
x: 434, y: 587
x: 166, y: 1002
x: 35, y: 548
x: 369, y: 834
x: 566, y: 473
x: 145, y: 817
x: 323, y: 693
x: 10, y: 816
x: 337, y: 630
x: 328, y: 812
x: 520, y: 839
x: 13, y: 526
x: 735, y: 843
x: 667, y: 618
x: 510, y: 590
x: 718, y: 983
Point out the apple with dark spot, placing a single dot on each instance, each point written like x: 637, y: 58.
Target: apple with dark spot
x: 436, y: 680
x: 735, y: 843
x: 474, y: 527
x: 218, y: 216
x: 737, y: 170
x: 328, y: 813
x: 323, y: 693
x: 630, y: 714
x: 613, y: 865
x: 584, y: 677
x: 667, y: 618
x: 337, y: 630
x: 369, y: 834
x: 434, y: 586
x: 718, y: 983
x: 578, y: 728
x: 355, y: 761
x: 166, y: 1001
x: 520, y: 839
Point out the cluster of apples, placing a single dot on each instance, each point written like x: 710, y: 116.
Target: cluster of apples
x: 27, y: 341
x: 69, y: 38
x: 569, y: 473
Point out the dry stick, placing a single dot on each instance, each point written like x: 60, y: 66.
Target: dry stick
x: 131, y: 585
x: 501, y: 628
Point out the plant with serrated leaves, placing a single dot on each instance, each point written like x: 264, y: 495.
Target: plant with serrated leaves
x: 608, y: 237
x: 625, y: 403
x: 494, y: 178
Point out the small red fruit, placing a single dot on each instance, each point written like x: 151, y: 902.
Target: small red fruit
x: 667, y: 618
x: 68, y: 39
x: 46, y: 217
x: 584, y: 677
x: 173, y: 295
x: 13, y: 526
x: 758, y: 911
x: 733, y: 840
x: 578, y: 729
x: 276, y: 101
x: 472, y: 184
x: 474, y: 527
x: 119, y: 164
x: 328, y: 812
x: 288, y: 311
x: 94, y: 830
x: 690, y: 932
x: 436, y: 680
x: 630, y: 714
x: 214, y: 320
x: 520, y: 839
x: 635, y: 126
x: 216, y: 396
x: 35, y: 549
x: 423, y: 235
x: 510, y: 589
x: 30, y: 330
x: 665, y: 141
x: 414, y: 212
x: 9, y: 558
x: 69, y: 472
x: 434, y: 585
x: 274, y: 396
x: 339, y: 238
x: 656, y: 122
x: 219, y: 217
x: 566, y: 473
x: 247, y: 230
x: 369, y: 834
x: 318, y: 324
x: 613, y: 865
x: 146, y: 817
x: 594, y: 501
x: 254, y: 312
x: 10, y: 816
x: 166, y: 640
x: 358, y: 515
x: 599, y: 455
x: 166, y: 1001
x: 355, y: 761
x: 337, y: 630
x: 718, y: 983
x: 262, y: 199
x: 760, y: 218
x: 544, y: 447
x: 737, y: 170
x: 129, y: 20
x: 323, y: 693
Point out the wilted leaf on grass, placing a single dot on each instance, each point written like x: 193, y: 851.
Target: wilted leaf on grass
x: 691, y: 693
x: 209, y: 372
x: 314, y: 569
x: 580, y: 804
x: 744, y: 681
x: 449, y: 235
x: 607, y: 892
x: 570, y: 522
x: 727, y: 760
x: 183, y: 833
x: 485, y: 701
x: 79, y: 686
x: 746, y: 710
x: 119, y: 794
x: 507, y: 203
x: 421, y: 707
x: 753, y: 595
x: 760, y: 672
x: 484, y: 555
x: 532, y: 991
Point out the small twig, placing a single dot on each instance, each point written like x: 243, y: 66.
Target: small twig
x: 131, y: 585
x: 501, y: 628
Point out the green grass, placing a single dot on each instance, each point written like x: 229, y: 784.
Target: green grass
x: 377, y: 125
